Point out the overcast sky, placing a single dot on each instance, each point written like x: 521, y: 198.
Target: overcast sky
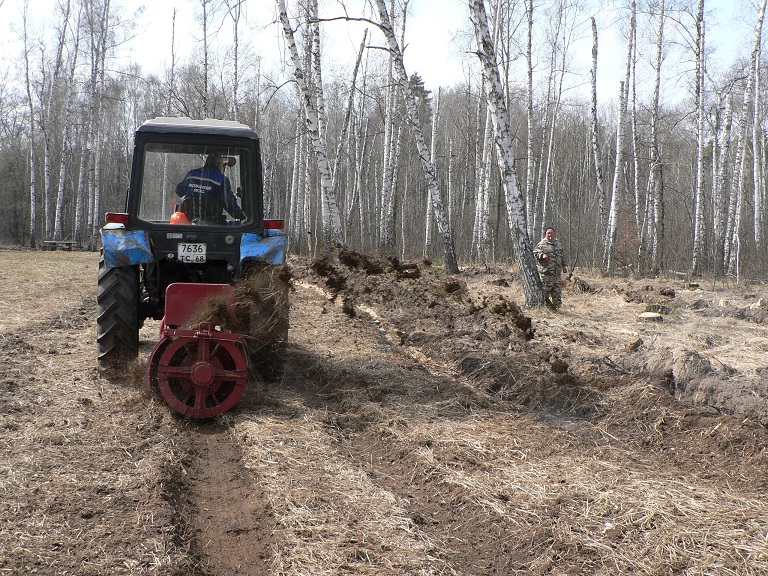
x: 437, y: 36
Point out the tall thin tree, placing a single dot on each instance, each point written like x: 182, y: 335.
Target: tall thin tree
x: 521, y: 244
x: 401, y: 77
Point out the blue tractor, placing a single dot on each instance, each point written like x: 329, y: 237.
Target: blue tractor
x: 194, y: 250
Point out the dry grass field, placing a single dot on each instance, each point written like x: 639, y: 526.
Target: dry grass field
x: 423, y: 424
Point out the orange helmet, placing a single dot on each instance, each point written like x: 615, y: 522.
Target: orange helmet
x: 179, y: 218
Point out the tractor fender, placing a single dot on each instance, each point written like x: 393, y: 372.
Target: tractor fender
x: 269, y: 247
x: 125, y: 247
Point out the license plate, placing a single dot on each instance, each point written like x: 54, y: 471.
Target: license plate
x: 191, y: 253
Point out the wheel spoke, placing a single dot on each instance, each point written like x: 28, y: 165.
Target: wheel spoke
x: 183, y: 372
x: 201, y: 393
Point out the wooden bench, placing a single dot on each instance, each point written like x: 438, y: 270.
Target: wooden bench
x: 58, y: 244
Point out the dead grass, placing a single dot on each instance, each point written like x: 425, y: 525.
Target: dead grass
x: 377, y: 452
x: 61, y: 276
x: 83, y: 461
x: 582, y: 497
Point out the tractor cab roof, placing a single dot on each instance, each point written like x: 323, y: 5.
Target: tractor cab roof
x: 227, y: 128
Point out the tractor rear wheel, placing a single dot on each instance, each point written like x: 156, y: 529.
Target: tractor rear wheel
x: 117, y: 322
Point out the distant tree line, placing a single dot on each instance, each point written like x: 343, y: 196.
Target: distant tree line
x: 646, y: 182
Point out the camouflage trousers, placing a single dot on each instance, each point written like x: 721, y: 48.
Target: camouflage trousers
x: 553, y: 289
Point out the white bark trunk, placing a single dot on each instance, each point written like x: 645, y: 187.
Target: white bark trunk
x: 32, y: 138
x: 66, y: 145
x: 530, y: 166
x: 609, y: 256
x: 720, y: 188
x: 451, y: 263
x: 595, y: 137
x: 657, y: 175
x: 314, y: 111
x: 47, y: 120
x: 433, y: 157
x: 738, y: 189
x: 699, y: 230
x: 757, y: 159
x: 515, y: 209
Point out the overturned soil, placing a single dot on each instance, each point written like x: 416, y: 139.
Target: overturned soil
x: 421, y: 424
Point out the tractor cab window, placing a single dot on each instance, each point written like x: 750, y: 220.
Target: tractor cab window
x: 200, y: 185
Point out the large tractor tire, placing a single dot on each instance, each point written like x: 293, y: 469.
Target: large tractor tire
x: 117, y: 323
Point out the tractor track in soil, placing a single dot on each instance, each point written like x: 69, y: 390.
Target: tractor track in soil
x: 416, y: 429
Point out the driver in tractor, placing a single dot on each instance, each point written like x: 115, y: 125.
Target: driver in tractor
x: 206, y: 191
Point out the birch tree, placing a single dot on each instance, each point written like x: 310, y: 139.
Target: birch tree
x: 386, y: 215
x: 481, y: 243
x: 698, y: 231
x: 401, y: 77
x: 529, y: 172
x: 521, y: 244
x: 595, y: 137
x: 315, y: 125
x: 656, y: 187
x: 734, y: 216
x: 433, y: 157
x: 235, y: 10
x: 32, y: 133
x: 609, y: 253
x: 720, y: 186
x: 757, y: 157
x: 66, y: 145
x: 48, y: 114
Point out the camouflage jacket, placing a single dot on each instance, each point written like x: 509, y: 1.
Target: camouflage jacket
x: 554, y: 265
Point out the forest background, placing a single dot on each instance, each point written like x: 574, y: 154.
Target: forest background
x: 658, y: 166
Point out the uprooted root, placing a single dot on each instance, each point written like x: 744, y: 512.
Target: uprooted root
x: 214, y: 310
x: 262, y: 315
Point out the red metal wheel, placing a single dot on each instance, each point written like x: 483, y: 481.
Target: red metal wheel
x: 199, y: 376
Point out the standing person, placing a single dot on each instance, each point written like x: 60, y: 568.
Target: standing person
x: 551, y: 263
x: 206, y: 191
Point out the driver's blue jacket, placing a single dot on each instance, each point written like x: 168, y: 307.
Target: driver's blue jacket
x: 211, y: 182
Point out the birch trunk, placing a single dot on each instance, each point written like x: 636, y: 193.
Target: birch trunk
x: 386, y: 241
x: 699, y: 230
x: 433, y: 156
x: 235, y: 11
x: 530, y: 164
x: 720, y: 191
x: 66, y: 145
x: 205, y: 16
x: 738, y: 189
x: 483, y: 208
x: 343, y: 138
x: 635, y: 135
x: 82, y: 211
x: 522, y: 248
x: 99, y: 24
x: 313, y: 111
x: 609, y: 256
x: 546, y: 202
x: 451, y: 263
x: 757, y: 157
x: 535, y: 203
x: 32, y: 137
x: 657, y: 175
x: 47, y: 116
x: 595, y: 137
